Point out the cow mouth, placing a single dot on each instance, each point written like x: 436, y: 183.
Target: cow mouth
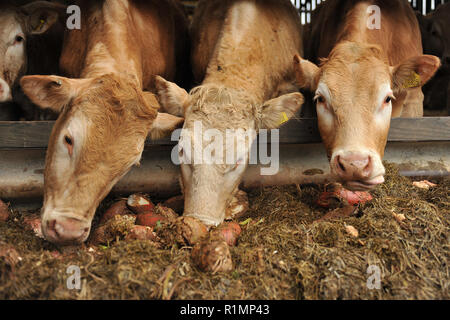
x: 363, y: 185
x: 54, y: 237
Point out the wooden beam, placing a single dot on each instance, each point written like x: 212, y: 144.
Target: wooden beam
x: 35, y: 134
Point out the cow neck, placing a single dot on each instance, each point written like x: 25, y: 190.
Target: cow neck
x: 390, y: 38
x: 240, y: 67
x: 99, y: 61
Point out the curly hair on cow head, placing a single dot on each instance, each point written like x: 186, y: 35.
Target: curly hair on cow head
x: 120, y: 95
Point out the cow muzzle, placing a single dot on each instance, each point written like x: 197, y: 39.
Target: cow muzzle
x: 65, y: 230
x: 5, y: 91
x: 358, y: 171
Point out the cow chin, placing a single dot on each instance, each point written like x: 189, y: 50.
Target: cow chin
x: 363, y: 185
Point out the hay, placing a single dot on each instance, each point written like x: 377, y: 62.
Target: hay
x: 282, y: 254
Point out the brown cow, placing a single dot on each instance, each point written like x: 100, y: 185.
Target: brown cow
x: 366, y: 75
x: 105, y: 116
x: 242, y: 55
x: 31, y: 37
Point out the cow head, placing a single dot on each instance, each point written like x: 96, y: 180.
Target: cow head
x: 16, y: 24
x: 98, y: 137
x: 208, y: 186
x: 354, y: 91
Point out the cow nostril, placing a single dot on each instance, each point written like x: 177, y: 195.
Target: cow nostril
x: 340, y: 164
x: 369, y: 161
x: 368, y: 168
x: 86, y: 229
x: 51, y: 224
x: 51, y: 228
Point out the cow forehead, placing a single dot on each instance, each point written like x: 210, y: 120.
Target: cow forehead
x: 113, y: 99
x: 220, y: 108
x: 108, y: 120
x: 221, y: 119
x: 9, y: 26
x: 111, y: 120
x: 348, y: 78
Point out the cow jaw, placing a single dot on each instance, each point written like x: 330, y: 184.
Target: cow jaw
x: 205, y: 200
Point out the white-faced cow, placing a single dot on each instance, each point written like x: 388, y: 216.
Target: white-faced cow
x: 31, y: 37
x: 105, y: 114
x: 370, y: 70
x: 242, y: 55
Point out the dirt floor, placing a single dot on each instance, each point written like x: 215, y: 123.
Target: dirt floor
x: 282, y: 253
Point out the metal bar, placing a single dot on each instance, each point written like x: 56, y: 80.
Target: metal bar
x: 21, y: 171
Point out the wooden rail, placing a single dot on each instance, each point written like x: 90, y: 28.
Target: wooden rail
x: 35, y: 134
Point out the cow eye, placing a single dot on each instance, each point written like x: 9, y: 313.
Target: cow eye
x: 319, y: 99
x: 388, y: 100
x: 68, y: 140
x: 19, y: 39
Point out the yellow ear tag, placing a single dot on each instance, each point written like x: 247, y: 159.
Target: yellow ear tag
x: 284, y: 118
x: 41, y: 24
x: 413, y: 81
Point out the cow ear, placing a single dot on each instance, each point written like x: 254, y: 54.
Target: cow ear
x: 164, y: 124
x: 41, y: 15
x: 172, y: 98
x: 51, y: 92
x: 277, y: 111
x: 306, y: 73
x: 414, y: 72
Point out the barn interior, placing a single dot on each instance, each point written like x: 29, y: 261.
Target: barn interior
x: 290, y: 247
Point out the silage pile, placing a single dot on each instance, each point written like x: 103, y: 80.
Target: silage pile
x: 282, y: 253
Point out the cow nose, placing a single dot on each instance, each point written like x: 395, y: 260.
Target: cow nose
x: 66, y: 230
x: 353, y: 166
